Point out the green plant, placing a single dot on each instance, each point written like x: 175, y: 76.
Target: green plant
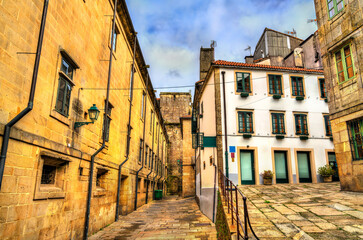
x: 326, y: 171
x: 266, y: 201
x: 267, y: 174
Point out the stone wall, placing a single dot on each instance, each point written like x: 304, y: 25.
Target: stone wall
x: 345, y: 99
x: 205, y: 59
x: 30, y: 209
x: 188, y: 177
x: 174, y: 106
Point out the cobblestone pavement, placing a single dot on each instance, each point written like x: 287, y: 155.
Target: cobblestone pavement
x: 305, y: 211
x: 171, y: 218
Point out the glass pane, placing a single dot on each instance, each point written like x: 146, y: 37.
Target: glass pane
x: 340, y: 66
x: 338, y: 57
x: 348, y: 61
x: 331, y: 13
x: 346, y: 51
x: 331, y: 157
x: 331, y: 5
x: 350, y: 72
x: 280, y: 165
x: 303, y: 164
x: 340, y: 6
x: 246, y: 166
x: 341, y: 77
x: 247, y: 82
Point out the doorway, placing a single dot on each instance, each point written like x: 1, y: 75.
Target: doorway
x: 333, y: 164
x: 303, y: 162
x: 247, y: 165
x: 281, y: 167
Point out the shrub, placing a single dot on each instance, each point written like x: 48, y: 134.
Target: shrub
x: 326, y: 171
x: 267, y: 174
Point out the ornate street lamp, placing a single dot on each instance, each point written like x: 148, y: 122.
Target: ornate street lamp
x: 93, y: 113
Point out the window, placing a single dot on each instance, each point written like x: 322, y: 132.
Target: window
x: 301, y: 124
x: 114, y: 44
x: 322, y: 88
x: 297, y: 86
x: 334, y: 7
x: 344, y: 64
x: 201, y: 140
x: 64, y: 88
x: 51, y: 171
x: 100, y: 177
x: 327, y: 126
x: 278, y: 123
x: 142, y: 105
x: 275, y: 85
x: 243, y: 82
x: 108, y: 121
x: 355, y: 129
x: 194, y: 140
x: 141, y: 149
x: 245, y: 124
x: 151, y: 119
x: 151, y: 157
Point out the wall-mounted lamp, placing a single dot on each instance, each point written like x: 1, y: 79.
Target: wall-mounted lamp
x: 93, y: 113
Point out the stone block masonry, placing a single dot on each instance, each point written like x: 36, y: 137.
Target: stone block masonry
x: 45, y: 183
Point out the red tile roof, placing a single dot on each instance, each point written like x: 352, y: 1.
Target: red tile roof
x: 268, y: 67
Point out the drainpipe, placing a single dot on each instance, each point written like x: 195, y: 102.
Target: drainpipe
x: 105, y: 126
x: 151, y: 170
x: 225, y: 125
x: 128, y: 134
x: 8, y: 126
x: 144, y: 140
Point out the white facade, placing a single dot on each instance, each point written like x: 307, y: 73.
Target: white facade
x: 206, y: 157
x: 263, y: 144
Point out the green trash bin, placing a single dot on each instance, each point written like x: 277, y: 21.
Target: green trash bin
x: 158, y: 194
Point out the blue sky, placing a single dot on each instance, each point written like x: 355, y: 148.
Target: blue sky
x: 171, y: 32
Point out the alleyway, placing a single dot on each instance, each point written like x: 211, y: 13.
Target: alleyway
x: 317, y: 211
x: 171, y: 218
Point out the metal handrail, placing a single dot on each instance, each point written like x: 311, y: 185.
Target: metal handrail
x: 231, y: 201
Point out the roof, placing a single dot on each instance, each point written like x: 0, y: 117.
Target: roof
x: 264, y: 67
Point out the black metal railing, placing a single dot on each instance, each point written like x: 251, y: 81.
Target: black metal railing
x: 232, y: 196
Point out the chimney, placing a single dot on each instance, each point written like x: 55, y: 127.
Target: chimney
x: 205, y: 59
x: 249, y: 59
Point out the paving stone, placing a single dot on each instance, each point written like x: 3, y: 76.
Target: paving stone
x: 288, y: 229
x: 171, y: 218
x: 357, y: 214
x: 325, y: 211
x: 341, y: 207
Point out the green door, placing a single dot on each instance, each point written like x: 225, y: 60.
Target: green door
x: 334, y: 165
x: 247, y: 167
x: 281, y: 167
x: 303, y: 162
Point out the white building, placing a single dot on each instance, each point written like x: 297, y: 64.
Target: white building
x: 277, y: 119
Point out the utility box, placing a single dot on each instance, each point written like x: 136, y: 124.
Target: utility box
x: 158, y: 194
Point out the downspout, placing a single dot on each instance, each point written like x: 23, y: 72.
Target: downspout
x: 105, y: 126
x: 214, y: 190
x: 8, y: 126
x: 128, y: 134
x: 225, y: 125
x: 144, y: 140
x: 151, y: 170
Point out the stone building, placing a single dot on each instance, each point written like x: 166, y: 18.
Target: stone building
x: 273, y: 46
x: 176, y: 110
x: 44, y: 185
x: 340, y: 34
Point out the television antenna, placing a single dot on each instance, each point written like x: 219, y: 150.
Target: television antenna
x: 248, y: 48
x: 213, y: 44
x: 293, y: 33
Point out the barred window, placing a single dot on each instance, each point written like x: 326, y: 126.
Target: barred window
x: 355, y: 129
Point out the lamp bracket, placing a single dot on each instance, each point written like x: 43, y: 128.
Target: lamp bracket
x: 80, y: 124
